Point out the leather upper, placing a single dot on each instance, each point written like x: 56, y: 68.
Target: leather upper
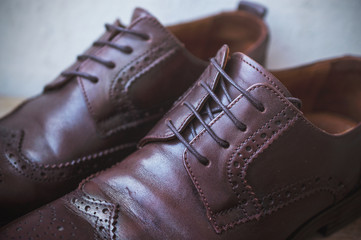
x: 76, y: 127
x: 56, y: 139
x: 273, y: 178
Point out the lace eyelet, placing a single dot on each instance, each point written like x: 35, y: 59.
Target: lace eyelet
x: 128, y: 50
x: 205, y: 162
x: 261, y: 108
x: 146, y: 37
x: 112, y: 65
x: 95, y: 80
x: 80, y: 58
x: 226, y: 145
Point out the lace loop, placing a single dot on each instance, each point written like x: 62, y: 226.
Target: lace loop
x: 200, y: 157
x: 108, y: 64
x: 236, y: 122
x: 124, y: 49
x: 92, y: 78
x: 220, y: 141
x: 121, y: 29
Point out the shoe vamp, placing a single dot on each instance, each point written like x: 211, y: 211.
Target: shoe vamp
x: 151, y: 195
x: 55, y: 126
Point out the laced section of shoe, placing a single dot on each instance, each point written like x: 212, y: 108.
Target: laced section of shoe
x: 207, y: 110
x: 108, y: 64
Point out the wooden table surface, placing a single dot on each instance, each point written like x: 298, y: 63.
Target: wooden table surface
x: 350, y: 232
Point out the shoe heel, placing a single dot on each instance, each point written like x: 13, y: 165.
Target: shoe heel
x: 343, y: 214
x: 332, y: 219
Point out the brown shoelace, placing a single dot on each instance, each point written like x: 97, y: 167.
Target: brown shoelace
x: 108, y: 64
x: 221, y: 107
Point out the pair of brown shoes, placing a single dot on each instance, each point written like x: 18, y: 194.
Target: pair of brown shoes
x: 234, y: 157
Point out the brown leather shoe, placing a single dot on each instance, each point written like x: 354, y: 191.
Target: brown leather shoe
x: 97, y: 110
x: 234, y: 158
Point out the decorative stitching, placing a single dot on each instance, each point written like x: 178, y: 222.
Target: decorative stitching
x: 196, y: 84
x: 174, y: 44
x: 30, y: 167
x: 162, y: 52
x: 266, y: 76
x: 247, y: 187
x: 105, y: 213
x: 134, y: 23
x: 333, y: 188
x: 91, y: 110
x: 210, y: 213
x: 261, y: 212
x: 114, y: 214
x: 126, y: 103
x: 305, y: 186
x: 169, y: 134
x: 254, y: 152
x: 86, y: 158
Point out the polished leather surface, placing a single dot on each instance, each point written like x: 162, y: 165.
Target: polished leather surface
x: 274, y: 177
x: 77, y: 127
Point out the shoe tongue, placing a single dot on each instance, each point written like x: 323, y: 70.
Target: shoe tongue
x: 246, y: 72
x: 140, y: 13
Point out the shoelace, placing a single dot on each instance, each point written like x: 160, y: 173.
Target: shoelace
x: 108, y: 64
x: 210, y: 112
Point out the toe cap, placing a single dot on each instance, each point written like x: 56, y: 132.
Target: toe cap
x: 52, y: 221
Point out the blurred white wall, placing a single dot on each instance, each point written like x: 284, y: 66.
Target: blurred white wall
x: 38, y: 39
